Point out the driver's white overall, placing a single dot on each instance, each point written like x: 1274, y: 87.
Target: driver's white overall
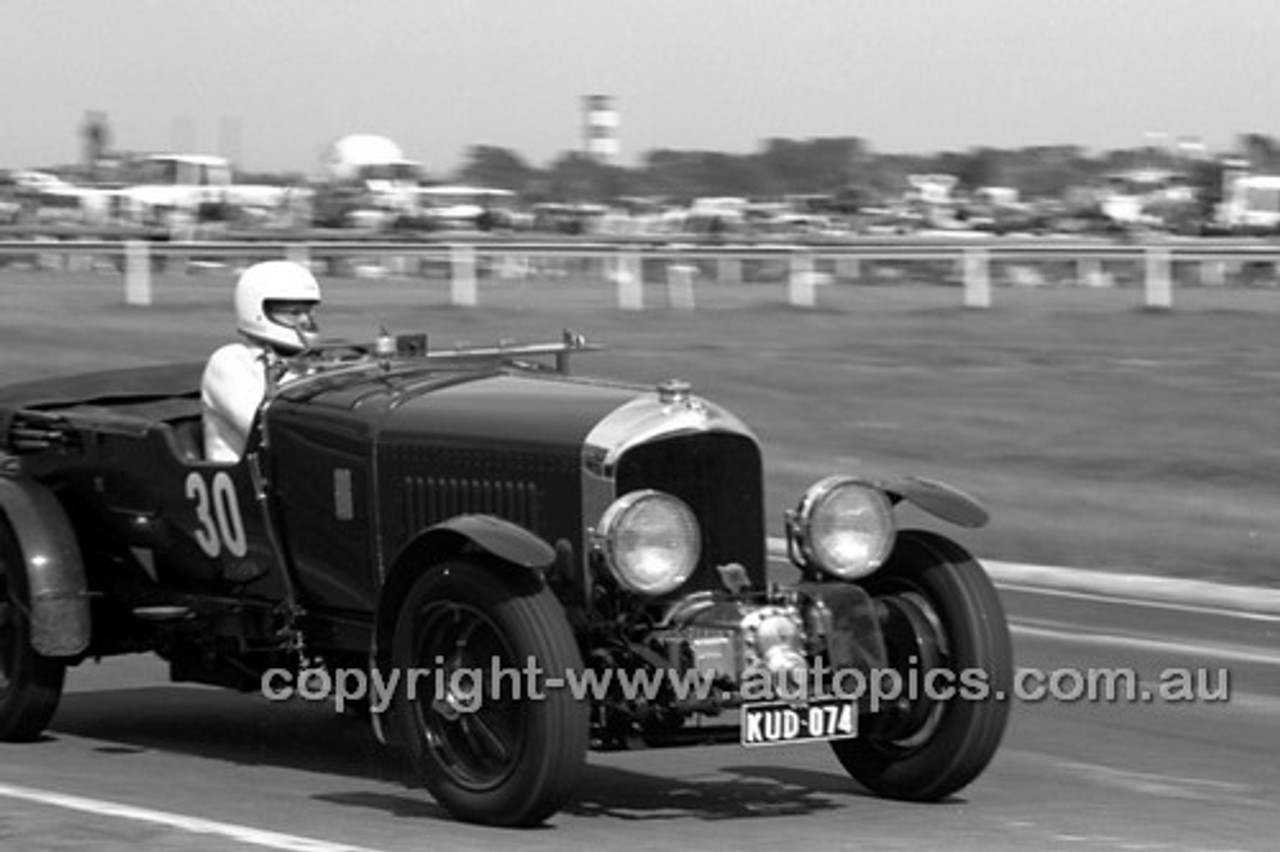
x: 234, y: 384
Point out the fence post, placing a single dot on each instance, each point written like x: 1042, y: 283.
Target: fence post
x: 79, y: 261
x: 729, y: 270
x: 462, y: 282
x: 800, y: 283
x: 977, y: 278
x: 397, y: 265
x: 1159, y: 279
x: 137, y: 272
x: 47, y: 260
x: 1091, y: 273
x: 628, y: 273
x: 680, y: 286
x: 182, y: 232
x: 299, y: 253
x: 512, y: 267
x: 848, y: 270
x: 1213, y: 273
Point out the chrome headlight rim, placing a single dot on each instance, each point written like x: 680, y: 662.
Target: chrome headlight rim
x: 613, y: 523
x: 819, y: 496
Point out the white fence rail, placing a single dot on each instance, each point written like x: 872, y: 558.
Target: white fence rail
x: 625, y: 260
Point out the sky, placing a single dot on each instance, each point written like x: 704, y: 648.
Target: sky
x: 273, y: 83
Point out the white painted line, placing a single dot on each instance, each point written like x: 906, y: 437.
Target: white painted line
x: 1169, y: 606
x: 1223, y: 598
x: 1206, y: 652
x: 1263, y: 705
x: 191, y: 825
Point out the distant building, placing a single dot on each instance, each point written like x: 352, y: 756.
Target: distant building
x: 932, y: 188
x: 600, y: 129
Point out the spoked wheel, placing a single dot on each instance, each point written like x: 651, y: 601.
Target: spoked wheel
x: 492, y: 747
x: 30, y: 684
x: 942, y: 615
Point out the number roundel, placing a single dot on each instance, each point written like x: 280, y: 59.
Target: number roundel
x: 218, y: 523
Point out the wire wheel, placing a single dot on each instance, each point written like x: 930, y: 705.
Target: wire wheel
x: 479, y: 643
x: 476, y: 733
x: 942, y: 616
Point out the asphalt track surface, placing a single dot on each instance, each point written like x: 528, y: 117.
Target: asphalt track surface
x: 135, y: 762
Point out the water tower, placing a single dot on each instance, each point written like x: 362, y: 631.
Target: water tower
x: 96, y: 137
x: 600, y: 129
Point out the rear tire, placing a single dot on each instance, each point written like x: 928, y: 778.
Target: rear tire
x: 943, y: 613
x: 30, y: 684
x: 494, y: 758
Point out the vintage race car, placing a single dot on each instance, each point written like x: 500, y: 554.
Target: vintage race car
x: 501, y: 563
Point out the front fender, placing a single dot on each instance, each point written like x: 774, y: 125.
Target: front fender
x: 505, y: 540
x: 60, y: 619
x: 938, y: 499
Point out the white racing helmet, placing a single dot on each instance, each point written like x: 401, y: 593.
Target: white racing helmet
x: 274, y: 300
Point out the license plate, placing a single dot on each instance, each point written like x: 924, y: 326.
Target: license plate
x: 779, y: 722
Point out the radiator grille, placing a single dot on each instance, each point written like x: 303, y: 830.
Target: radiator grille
x: 720, y: 477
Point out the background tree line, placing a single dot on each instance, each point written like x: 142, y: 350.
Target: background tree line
x: 842, y: 166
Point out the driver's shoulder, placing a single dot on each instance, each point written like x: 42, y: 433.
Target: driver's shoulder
x: 233, y: 356
x: 239, y: 349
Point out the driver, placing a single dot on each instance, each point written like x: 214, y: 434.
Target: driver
x: 273, y: 304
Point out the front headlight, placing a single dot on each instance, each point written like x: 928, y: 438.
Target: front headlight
x: 844, y: 526
x: 651, y: 541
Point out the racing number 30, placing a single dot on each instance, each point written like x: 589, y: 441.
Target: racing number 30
x: 218, y: 514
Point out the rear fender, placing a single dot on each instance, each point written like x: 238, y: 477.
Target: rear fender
x: 501, y: 539
x: 60, y: 620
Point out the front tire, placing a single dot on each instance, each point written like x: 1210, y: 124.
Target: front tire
x: 504, y: 757
x: 30, y: 684
x: 941, y: 612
